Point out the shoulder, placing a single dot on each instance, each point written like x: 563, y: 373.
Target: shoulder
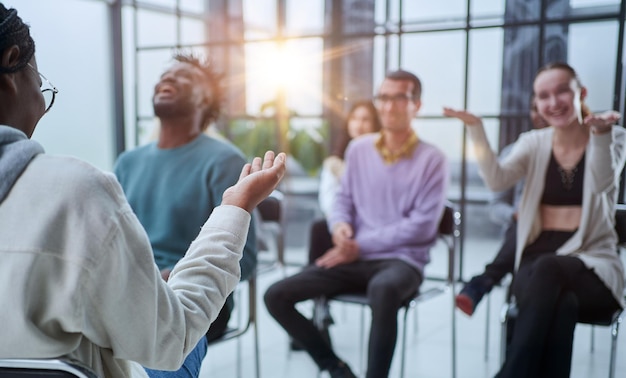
x: 430, y: 150
x: 134, y: 154
x: 218, y: 148
x: 66, y: 176
x: 363, y: 143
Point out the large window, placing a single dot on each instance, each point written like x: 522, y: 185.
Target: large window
x: 293, y: 67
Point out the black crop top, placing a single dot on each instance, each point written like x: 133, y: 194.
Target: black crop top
x: 563, y: 188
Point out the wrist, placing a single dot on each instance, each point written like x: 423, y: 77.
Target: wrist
x: 601, y: 129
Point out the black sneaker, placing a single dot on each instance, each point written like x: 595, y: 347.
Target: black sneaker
x: 340, y: 370
x: 472, y: 293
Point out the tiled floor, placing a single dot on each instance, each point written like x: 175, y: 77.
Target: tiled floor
x: 429, y: 345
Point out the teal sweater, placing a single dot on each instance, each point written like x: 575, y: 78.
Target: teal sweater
x: 173, y: 192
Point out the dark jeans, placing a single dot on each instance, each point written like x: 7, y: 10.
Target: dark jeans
x: 388, y: 283
x: 191, y: 365
x: 503, y: 263
x: 320, y: 241
x: 553, y: 293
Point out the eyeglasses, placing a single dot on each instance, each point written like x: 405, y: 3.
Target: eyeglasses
x: 49, y: 93
x: 398, y: 99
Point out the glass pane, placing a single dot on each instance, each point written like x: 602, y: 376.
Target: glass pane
x: 595, y: 62
x: 259, y: 18
x: 433, y: 11
x: 485, y: 71
x: 260, y: 75
x: 254, y: 136
x: 486, y: 11
x: 151, y: 65
x: 155, y: 28
x: 192, y: 5
x: 520, y: 10
x: 385, y: 50
x: 304, y: 17
x: 592, y: 3
x: 147, y: 131
x: 295, y: 68
x: 307, y: 143
x: 301, y: 74
x: 380, y: 11
x: 192, y: 31
x: 379, y: 60
x: 442, y: 74
x: 162, y: 3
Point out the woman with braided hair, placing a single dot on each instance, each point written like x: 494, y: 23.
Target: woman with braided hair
x: 78, y: 278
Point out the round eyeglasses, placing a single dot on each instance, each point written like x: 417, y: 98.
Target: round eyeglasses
x: 49, y: 92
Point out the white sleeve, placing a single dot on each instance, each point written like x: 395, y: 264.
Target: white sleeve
x: 129, y: 309
x: 329, y: 186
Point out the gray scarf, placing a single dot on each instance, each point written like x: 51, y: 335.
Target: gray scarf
x: 16, y: 151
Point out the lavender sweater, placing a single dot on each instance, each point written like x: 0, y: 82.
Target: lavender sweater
x: 394, y: 209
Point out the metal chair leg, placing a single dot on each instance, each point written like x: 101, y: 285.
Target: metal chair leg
x: 487, y: 322
x: 403, y: 350
x: 614, y: 332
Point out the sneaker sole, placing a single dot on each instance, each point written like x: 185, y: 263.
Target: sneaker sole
x: 465, y: 304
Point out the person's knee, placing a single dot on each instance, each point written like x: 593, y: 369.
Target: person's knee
x: 273, y: 296
x: 383, y: 297
x: 550, y: 270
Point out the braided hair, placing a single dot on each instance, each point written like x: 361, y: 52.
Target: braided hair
x: 213, y: 79
x: 13, y: 31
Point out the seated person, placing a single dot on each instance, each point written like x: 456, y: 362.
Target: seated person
x: 173, y: 184
x: 503, y: 211
x: 566, y: 268
x: 383, y: 223
x: 362, y: 119
x: 78, y: 273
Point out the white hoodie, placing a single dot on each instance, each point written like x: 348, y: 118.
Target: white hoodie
x: 78, y: 278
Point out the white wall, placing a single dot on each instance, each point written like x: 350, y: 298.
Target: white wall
x: 72, y: 51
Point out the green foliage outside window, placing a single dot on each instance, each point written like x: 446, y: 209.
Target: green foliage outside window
x: 309, y: 146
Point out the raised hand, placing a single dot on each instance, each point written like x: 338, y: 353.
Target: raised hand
x: 256, y: 182
x: 602, y: 122
x: 466, y: 117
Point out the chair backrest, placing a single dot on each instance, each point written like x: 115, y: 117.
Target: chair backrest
x: 232, y: 333
x: 448, y: 222
x: 448, y: 232
x: 270, y: 208
x: 270, y: 235
x: 40, y: 368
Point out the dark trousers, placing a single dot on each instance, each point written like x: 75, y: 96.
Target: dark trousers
x: 218, y: 327
x: 388, y: 284
x: 553, y: 293
x: 504, y: 261
x: 320, y: 241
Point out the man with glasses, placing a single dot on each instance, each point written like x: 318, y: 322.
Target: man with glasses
x: 384, y: 221
x: 174, y: 184
x: 78, y: 278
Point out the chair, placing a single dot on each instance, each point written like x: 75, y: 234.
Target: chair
x: 509, y: 310
x: 448, y: 233
x: 251, y: 321
x: 40, y: 368
x: 270, y: 230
